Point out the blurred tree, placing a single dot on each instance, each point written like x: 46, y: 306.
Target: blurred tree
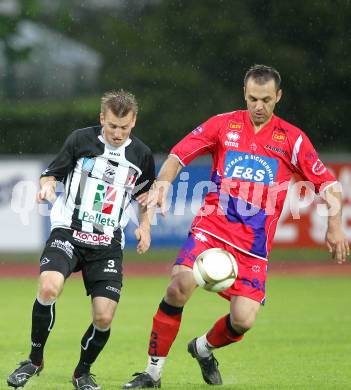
x: 8, y: 26
x: 192, y: 56
x: 185, y: 60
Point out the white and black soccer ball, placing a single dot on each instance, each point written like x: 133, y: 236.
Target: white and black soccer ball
x: 215, y: 269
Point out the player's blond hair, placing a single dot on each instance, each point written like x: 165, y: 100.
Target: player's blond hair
x: 119, y: 102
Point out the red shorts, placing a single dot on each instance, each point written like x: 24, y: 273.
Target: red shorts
x: 252, y: 272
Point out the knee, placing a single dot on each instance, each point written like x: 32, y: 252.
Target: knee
x: 48, y: 291
x: 50, y: 285
x: 242, y: 325
x: 103, y: 320
x: 178, y: 293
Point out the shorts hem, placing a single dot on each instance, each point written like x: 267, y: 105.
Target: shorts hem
x: 227, y: 295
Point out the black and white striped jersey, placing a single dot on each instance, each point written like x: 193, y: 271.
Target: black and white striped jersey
x: 99, y: 182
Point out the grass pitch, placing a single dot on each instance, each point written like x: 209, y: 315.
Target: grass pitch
x: 169, y: 255
x: 301, y: 339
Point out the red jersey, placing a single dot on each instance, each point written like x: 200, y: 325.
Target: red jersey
x: 250, y: 176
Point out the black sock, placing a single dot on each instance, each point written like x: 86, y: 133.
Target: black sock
x: 92, y: 344
x: 234, y: 332
x: 43, y: 319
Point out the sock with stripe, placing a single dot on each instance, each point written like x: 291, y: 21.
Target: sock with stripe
x: 165, y: 327
x: 43, y: 319
x: 221, y: 334
x: 92, y: 344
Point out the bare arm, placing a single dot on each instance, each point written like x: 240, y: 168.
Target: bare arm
x: 170, y: 169
x: 168, y: 173
x: 142, y: 233
x: 335, y: 238
x: 47, y: 189
x: 157, y: 196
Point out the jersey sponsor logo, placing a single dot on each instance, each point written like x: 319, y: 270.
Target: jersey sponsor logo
x: 130, y: 181
x: 318, y: 168
x: 275, y: 149
x: 114, y: 153
x: 236, y: 126
x: 131, y: 177
x: 92, y: 238
x: 250, y: 167
x: 113, y: 289
x: 102, y: 208
x: 88, y: 164
x: 253, y: 147
x: 104, y: 199
x: 109, y: 174
x: 200, y: 237
x: 279, y: 136
x: 198, y: 130
x: 114, y: 271
x: 98, y: 219
x: 44, y: 261
x: 65, y: 246
x: 232, y: 137
x: 256, y: 268
x: 232, y: 144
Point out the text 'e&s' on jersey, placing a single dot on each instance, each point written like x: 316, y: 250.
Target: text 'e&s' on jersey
x: 250, y: 176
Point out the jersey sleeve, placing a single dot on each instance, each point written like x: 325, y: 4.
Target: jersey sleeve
x: 147, y: 178
x: 64, y: 161
x: 200, y: 141
x: 309, y: 166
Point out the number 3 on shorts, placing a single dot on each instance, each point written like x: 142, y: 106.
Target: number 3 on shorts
x: 111, y: 263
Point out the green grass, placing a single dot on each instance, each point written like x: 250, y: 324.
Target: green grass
x: 296, y: 254
x: 169, y: 255
x: 301, y: 339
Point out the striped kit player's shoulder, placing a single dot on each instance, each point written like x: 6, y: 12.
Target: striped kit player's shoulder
x: 99, y: 181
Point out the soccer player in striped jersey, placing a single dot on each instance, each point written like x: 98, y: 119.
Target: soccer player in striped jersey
x: 101, y: 169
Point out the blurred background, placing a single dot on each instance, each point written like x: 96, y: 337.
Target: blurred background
x: 185, y: 61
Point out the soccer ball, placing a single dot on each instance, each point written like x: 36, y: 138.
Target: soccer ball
x: 215, y: 269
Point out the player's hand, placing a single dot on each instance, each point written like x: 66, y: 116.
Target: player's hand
x: 144, y: 238
x: 154, y: 197
x: 337, y: 244
x: 47, y: 192
x: 143, y: 199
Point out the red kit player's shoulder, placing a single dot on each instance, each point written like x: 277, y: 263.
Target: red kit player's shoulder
x: 232, y: 115
x: 233, y: 120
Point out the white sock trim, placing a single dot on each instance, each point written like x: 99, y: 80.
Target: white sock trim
x: 203, y: 347
x: 101, y: 329
x: 47, y: 303
x: 89, y: 339
x: 154, y: 366
x: 51, y: 304
x: 52, y: 317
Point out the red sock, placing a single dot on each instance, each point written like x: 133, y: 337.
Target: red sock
x: 223, y: 333
x: 165, y: 328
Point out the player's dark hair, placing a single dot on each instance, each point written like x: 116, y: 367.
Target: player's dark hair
x: 119, y: 102
x: 262, y: 74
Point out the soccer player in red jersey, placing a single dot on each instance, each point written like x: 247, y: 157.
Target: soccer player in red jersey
x: 254, y: 153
